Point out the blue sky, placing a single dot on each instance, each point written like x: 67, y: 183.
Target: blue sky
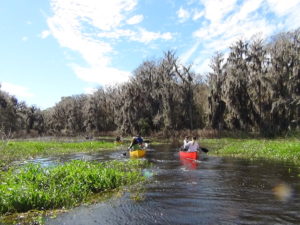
x: 55, y: 48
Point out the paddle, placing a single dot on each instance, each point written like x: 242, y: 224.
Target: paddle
x: 204, y: 149
x: 201, y: 148
x: 125, y: 153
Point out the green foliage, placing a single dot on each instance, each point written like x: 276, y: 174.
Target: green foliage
x: 35, y: 187
x: 287, y: 150
x: 17, y: 150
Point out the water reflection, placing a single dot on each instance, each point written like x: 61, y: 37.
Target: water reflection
x: 190, y: 164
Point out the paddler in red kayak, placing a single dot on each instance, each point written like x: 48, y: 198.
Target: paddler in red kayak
x: 193, y: 146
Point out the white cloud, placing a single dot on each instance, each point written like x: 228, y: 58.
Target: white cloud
x: 197, y: 14
x: 141, y: 35
x: 244, y: 13
x: 242, y: 20
x: 183, y: 14
x: 117, y: 34
x: 104, y: 15
x: 145, y: 36
x: 17, y: 90
x: 101, y: 74
x: 288, y: 11
x: 186, y: 14
x: 89, y: 27
x: 68, y: 26
x: 216, y: 10
x: 45, y: 34
x: 231, y: 20
x: 135, y: 19
x: 282, y: 8
x: 293, y: 16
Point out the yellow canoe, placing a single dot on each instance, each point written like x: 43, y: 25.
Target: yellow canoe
x: 137, y: 153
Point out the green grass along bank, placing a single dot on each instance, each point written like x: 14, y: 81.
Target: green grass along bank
x: 285, y: 150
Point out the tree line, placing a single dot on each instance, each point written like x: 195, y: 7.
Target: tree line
x: 255, y: 88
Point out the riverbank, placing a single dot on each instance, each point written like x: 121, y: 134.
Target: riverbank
x: 23, y: 150
x: 286, y: 150
x: 32, y: 187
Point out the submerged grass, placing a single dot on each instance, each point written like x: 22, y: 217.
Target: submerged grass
x: 287, y: 150
x: 34, y: 187
x: 20, y: 150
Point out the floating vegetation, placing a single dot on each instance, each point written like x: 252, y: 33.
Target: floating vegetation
x: 64, y: 186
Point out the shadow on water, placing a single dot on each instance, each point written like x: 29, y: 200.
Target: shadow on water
x: 211, y: 190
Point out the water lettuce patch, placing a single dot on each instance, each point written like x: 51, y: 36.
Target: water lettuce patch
x: 64, y: 186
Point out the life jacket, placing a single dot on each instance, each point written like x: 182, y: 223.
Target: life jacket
x: 139, y: 140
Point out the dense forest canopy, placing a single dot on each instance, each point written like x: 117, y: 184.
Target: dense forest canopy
x: 255, y: 89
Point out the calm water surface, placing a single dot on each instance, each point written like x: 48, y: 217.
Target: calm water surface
x: 212, y: 190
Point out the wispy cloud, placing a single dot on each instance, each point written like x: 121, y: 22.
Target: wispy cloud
x: 183, y: 14
x: 187, y: 55
x: 88, y: 27
x: 197, y: 14
x: 282, y: 8
x: 146, y: 36
x: 135, y: 19
x: 288, y: 10
x: 216, y: 10
x: 228, y: 21
x: 141, y: 35
x: 19, y: 91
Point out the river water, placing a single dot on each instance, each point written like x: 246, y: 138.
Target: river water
x: 212, y: 190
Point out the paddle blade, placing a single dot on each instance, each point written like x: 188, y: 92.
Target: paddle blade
x: 204, y: 150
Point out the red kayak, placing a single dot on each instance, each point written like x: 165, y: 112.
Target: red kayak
x: 188, y: 155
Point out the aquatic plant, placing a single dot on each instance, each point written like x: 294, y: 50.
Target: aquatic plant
x: 279, y: 149
x: 35, y: 187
